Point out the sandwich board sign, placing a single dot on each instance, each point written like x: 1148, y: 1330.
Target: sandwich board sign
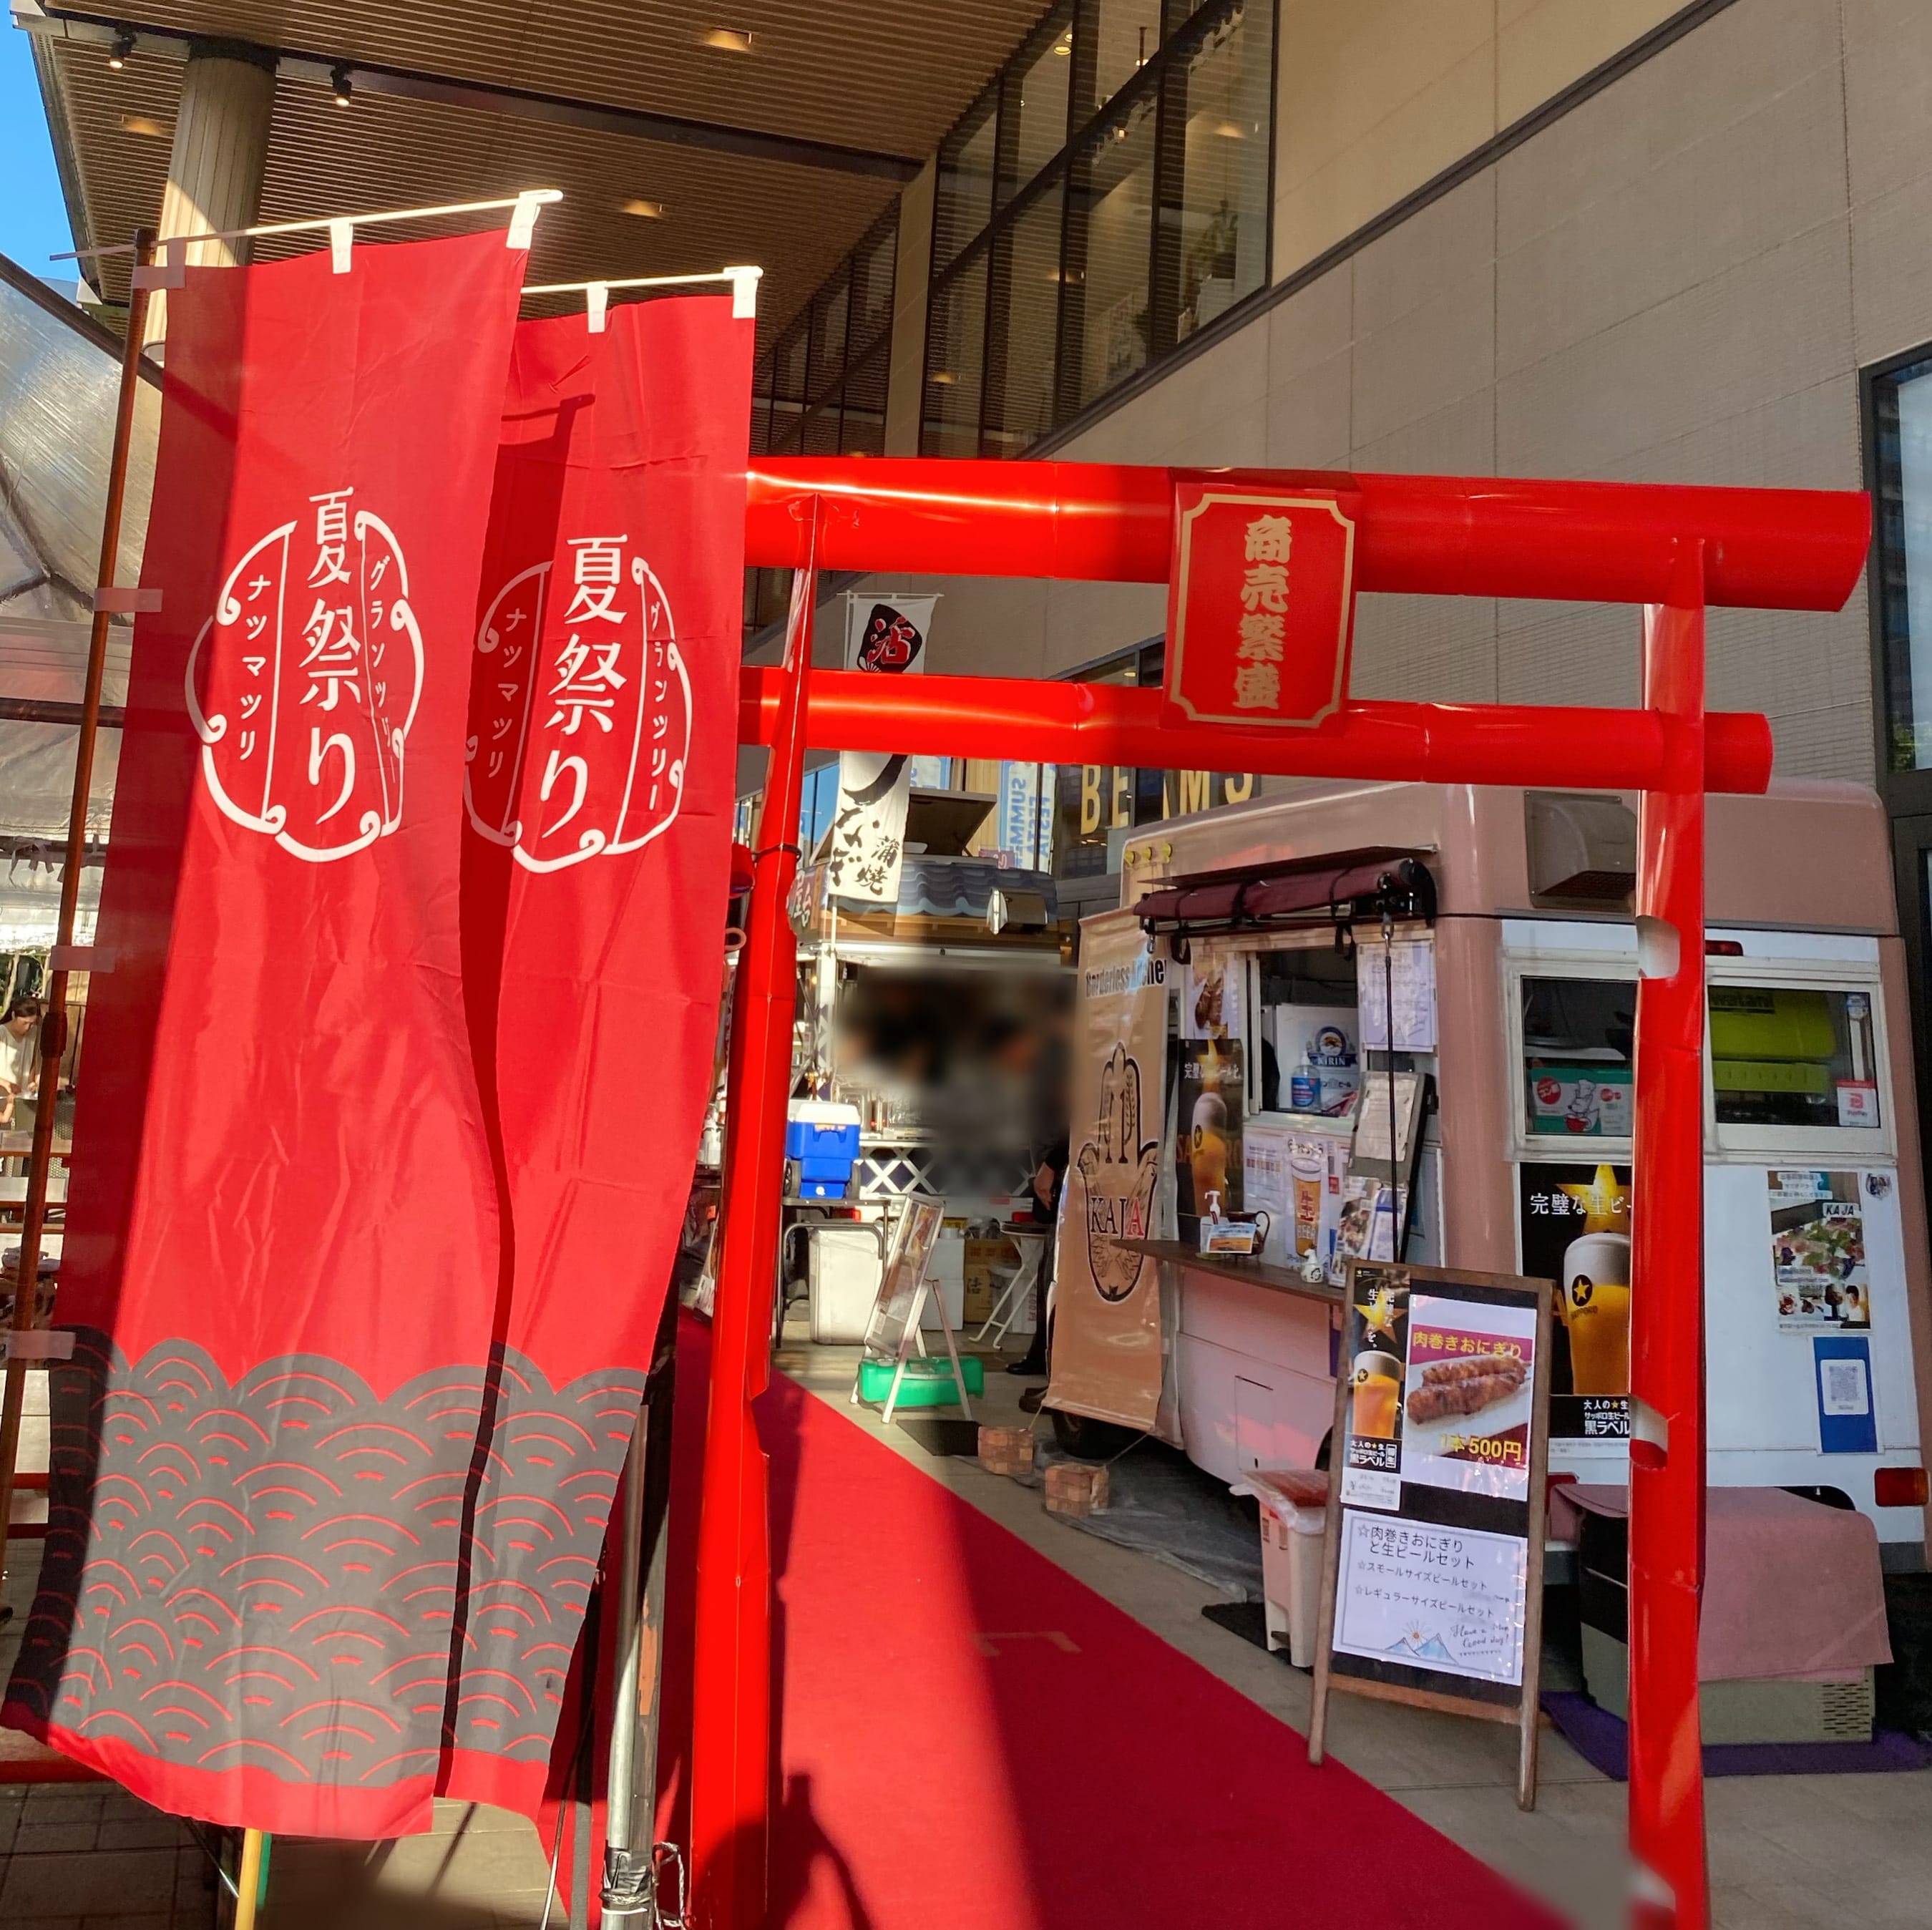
x: 1431, y: 1581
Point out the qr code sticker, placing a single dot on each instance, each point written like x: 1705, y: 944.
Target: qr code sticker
x: 1844, y: 1388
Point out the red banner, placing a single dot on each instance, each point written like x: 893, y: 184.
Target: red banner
x: 282, y: 1248
x: 1260, y: 603
x: 602, y: 759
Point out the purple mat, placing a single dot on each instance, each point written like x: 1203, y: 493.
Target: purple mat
x: 1603, y: 1741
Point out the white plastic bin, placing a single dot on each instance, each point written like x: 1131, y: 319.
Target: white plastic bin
x: 1295, y: 1516
x: 842, y: 1275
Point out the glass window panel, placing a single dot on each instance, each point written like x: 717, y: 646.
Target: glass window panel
x: 1124, y: 35
x: 821, y: 430
x: 761, y: 425
x: 788, y: 363
x: 1786, y: 1055
x: 966, y: 165
x: 1903, y: 407
x: 874, y: 263
x: 1111, y: 223
x: 1578, y: 1037
x: 1037, y: 86
x: 1026, y: 309
x: 955, y: 347
x: 786, y: 419
x: 1219, y: 223
x: 864, y: 433
x: 829, y: 311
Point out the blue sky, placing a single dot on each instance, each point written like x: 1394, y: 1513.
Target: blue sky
x: 33, y: 218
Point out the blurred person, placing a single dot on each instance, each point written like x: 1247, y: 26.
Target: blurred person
x: 20, y: 1063
x: 1051, y: 1071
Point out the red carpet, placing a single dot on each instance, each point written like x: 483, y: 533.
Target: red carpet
x: 972, y: 1738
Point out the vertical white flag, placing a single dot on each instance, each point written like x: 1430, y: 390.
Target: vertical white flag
x: 866, y: 849
x: 887, y: 633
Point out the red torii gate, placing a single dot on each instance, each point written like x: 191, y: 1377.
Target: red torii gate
x: 1674, y: 550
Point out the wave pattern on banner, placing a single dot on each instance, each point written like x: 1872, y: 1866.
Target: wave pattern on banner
x: 253, y: 1574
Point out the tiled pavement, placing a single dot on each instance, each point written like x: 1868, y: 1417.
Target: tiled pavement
x: 88, y: 1857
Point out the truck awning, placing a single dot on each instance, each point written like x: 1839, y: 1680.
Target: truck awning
x: 1330, y: 888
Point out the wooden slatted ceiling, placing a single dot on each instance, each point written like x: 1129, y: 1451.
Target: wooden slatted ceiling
x: 890, y: 75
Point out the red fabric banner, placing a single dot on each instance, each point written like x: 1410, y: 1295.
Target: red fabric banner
x: 282, y: 1252
x: 602, y: 756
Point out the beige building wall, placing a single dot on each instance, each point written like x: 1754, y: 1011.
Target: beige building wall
x: 1675, y: 282
x: 1379, y: 96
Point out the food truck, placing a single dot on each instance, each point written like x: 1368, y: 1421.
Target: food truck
x: 1397, y: 1020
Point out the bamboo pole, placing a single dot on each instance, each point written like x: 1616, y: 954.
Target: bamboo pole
x: 53, y: 1028
x: 248, y: 1880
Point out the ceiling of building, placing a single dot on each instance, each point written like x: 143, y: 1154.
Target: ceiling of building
x: 781, y: 156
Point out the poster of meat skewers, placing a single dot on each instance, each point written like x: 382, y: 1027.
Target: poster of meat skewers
x: 1467, y: 1396
x: 1436, y: 1524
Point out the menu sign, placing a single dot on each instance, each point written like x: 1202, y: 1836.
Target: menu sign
x: 1818, y: 1251
x: 1431, y: 1586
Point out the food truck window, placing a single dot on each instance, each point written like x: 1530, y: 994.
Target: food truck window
x: 1577, y: 1038
x: 1785, y: 1056
x: 1304, y: 1035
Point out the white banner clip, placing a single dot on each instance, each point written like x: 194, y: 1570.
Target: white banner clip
x: 744, y: 292
x: 38, y: 1343
x: 341, y: 245
x: 118, y: 600
x: 524, y: 218
x: 596, y: 305
x: 81, y: 957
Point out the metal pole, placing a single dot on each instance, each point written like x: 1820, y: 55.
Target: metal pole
x: 731, y: 1686
x: 53, y: 1028
x: 629, y: 1862
x: 1666, y: 1521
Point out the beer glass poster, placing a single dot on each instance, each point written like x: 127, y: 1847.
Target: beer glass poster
x: 1818, y: 1251
x: 1440, y: 1391
x: 1375, y: 1330
x: 1574, y: 1224
x: 1207, y: 1148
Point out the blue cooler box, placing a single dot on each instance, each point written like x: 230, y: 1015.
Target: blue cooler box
x: 822, y: 1140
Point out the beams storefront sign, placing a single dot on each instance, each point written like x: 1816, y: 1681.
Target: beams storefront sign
x: 1107, y: 1349
x: 1261, y: 604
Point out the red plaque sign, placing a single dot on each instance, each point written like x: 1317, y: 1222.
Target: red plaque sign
x: 1260, y: 602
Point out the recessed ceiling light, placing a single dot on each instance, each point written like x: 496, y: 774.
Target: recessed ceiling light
x: 941, y: 376
x: 731, y: 40
x: 1230, y: 130
x: 1064, y: 45
x: 144, y: 123
x: 648, y: 211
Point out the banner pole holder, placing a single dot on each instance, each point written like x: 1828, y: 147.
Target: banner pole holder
x: 171, y: 270
x: 597, y: 294
x: 53, y: 1025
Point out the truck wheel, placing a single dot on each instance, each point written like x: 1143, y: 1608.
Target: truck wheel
x: 1089, y: 1440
